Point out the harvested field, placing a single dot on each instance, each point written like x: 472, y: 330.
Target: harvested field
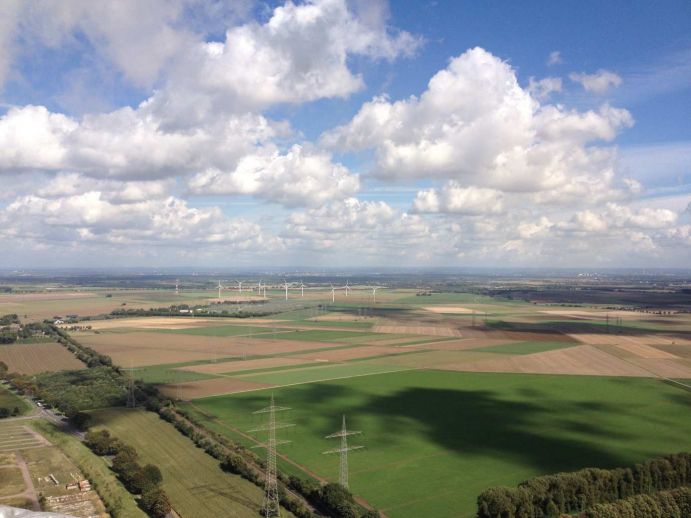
x: 245, y: 365
x: 433, y: 359
x: 527, y: 336
x: 611, y: 339
x: 149, y: 348
x: 462, y: 344
x: 644, y: 351
x: 583, y: 360
x: 40, y: 357
x: 157, y: 323
x: 417, y: 330
x: 449, y: 309
x: 680, y: 351
x: 212, y: 387
x: 352, y: 353
x: 665, y: 368
x: 55, y: 295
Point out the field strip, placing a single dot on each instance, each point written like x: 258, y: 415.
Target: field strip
x: 317, y: 381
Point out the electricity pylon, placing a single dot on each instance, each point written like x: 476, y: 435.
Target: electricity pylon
x: 131, y: 399
x: 343, y: 451
x: 271, y: 505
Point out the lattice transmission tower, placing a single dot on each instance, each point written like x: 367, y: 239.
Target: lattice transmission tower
x: 271, y: 506
x: 343, y: 434
x: 131, y: 398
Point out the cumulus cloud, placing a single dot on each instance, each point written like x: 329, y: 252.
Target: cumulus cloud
x: 90, y: 217
x: 453, y: 198
x: 476, y: 125
x: 299, y: 54
x: 598, y: 83
x: 302, y: 176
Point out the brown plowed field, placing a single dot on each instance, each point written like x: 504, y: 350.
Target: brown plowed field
x: 35, y: 358
x: 142, y: 348
x: 584, y: 359
x: 212, y: 387
x: 334, y: 355
x: 159, y: 323
x: 521, y: 336
x: 242, y: 365
x: 417, y: 330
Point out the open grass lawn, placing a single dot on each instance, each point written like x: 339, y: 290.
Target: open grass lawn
x: 434, y: 440
x: 10, y: 401
x: 525, y: 347
x: 192, y: 479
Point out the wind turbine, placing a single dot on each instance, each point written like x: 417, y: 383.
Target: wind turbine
x: 219, y: 288
x: 259, y: 288
x: 239, y: 286
x: 302, y: 289
x: 374, y: 293
x: 333, y: 294
x: 347, y: 287
x: 285, y: 284
x: 177, y: 286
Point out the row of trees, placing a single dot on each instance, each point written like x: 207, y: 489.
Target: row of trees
x: 577, y: 491
x: 664, y: 504
x: 139, y: 480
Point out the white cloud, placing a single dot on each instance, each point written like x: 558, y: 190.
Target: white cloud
x: 544, y: 87
x: 302, y: 176
x: 554, y: 58
x: 476, y: 125
x: 453, y: 198
x: 299, y: 54
x: 90, y: 218
x: 598, y: 83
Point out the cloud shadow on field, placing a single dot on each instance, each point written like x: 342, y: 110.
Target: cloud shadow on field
x: 478, y: 423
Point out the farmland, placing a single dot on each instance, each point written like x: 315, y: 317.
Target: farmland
x: 454, y: 392
x: 38, y: 357
x: 434, y: 440
x: 194, y: 481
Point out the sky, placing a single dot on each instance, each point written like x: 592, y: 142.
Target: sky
x: 345, y: 133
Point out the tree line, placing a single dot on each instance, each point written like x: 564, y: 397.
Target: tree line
x: 137, y: 479
x: 575, y: 492
x: 665, y: 504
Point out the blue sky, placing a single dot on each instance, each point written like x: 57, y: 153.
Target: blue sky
x: 309, y: 132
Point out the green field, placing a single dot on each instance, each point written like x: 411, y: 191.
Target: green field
x: 434, y: 440
x: 194, y: 482
x: 10, y: 401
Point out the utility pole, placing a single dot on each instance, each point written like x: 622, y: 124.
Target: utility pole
x: 271, y: 506
x: 343, y: 434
